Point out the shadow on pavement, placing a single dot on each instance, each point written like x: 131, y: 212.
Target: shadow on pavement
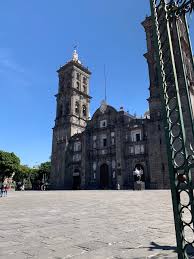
x: 155, y: 246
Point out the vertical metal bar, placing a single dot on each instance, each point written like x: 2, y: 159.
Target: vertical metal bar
x: 192, y: 62
x: 169, y: 152
x: 190, y: 114
x: 173, y: 104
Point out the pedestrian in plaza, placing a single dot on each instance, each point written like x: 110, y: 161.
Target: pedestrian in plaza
x: 2, y: 190
x: 1, y: 184
x: 6, y: 189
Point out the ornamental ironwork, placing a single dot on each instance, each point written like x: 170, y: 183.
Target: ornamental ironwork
x: 168, y: 22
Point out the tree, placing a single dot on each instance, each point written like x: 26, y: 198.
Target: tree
x: 45, y: 169
x: 22, y: 174
x: 40, y: 175
x: 9, y: 163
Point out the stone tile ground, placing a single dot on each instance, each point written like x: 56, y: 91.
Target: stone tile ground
x: 87, y: 225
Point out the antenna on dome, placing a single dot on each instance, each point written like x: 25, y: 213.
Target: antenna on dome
x: 105, y: 78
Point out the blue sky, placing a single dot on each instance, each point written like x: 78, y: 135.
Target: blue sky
x: 36, y: 37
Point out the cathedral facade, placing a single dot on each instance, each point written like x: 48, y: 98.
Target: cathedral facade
x: 107, y: 151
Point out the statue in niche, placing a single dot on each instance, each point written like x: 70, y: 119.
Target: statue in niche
x: 138, y: 174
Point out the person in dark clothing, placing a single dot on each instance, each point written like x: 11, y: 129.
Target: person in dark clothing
x: 6, y: 189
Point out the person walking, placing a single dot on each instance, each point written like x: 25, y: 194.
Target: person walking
x: 2, y: 190
x: 6, y: 189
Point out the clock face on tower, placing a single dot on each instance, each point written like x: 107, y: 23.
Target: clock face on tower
x: 103, y: 106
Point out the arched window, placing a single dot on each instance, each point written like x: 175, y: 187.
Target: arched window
x: 84, y: 110
x: 77, y: 85
x: 84, y: 80
x: 78, y: 76
x: 77, y: 108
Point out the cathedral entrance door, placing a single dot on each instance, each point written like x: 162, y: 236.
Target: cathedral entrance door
x: 104, y: 176
x: 76, y: 180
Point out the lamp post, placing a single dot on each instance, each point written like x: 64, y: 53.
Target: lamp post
x: 168, y: 17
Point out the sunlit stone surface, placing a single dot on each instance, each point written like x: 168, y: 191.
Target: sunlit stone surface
x: 87, y: 224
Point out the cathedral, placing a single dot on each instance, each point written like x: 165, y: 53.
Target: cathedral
x: 113, y: 149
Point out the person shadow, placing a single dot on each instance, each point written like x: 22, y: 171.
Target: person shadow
x: 155, y: 246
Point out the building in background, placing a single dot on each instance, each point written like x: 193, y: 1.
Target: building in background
x: 106, y: 151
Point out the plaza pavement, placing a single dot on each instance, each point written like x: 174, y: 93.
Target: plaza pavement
x: 87, y: 225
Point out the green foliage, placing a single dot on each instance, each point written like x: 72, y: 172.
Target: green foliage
x: 9, y: 163
x: 32, y: 178
x: 41, y: 175
x: 45, y: 168
x: 22, y: 173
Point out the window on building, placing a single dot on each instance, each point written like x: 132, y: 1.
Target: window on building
x: 163, y: 167
x: 77, y: 108
x: 84, y: 80
x: 78, y: 76
x: 104, y: 142
x: 112, y: 138
x: 103, y: 123
x: 77, y: 146
x: 131, y: 149
x: 137, y: 137
x: 84, y: 110
x: 137, y: 149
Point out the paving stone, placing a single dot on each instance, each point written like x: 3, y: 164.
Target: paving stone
x: 87, y: 225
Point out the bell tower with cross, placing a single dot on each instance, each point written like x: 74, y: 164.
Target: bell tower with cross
x: 72, y: 114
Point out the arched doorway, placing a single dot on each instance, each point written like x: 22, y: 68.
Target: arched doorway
x: 139, y: 173
x: 76, y: 179
x: 104, y: 176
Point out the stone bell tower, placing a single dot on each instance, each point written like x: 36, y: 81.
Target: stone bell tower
x: 158, y: 164
x: 72, y: 114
